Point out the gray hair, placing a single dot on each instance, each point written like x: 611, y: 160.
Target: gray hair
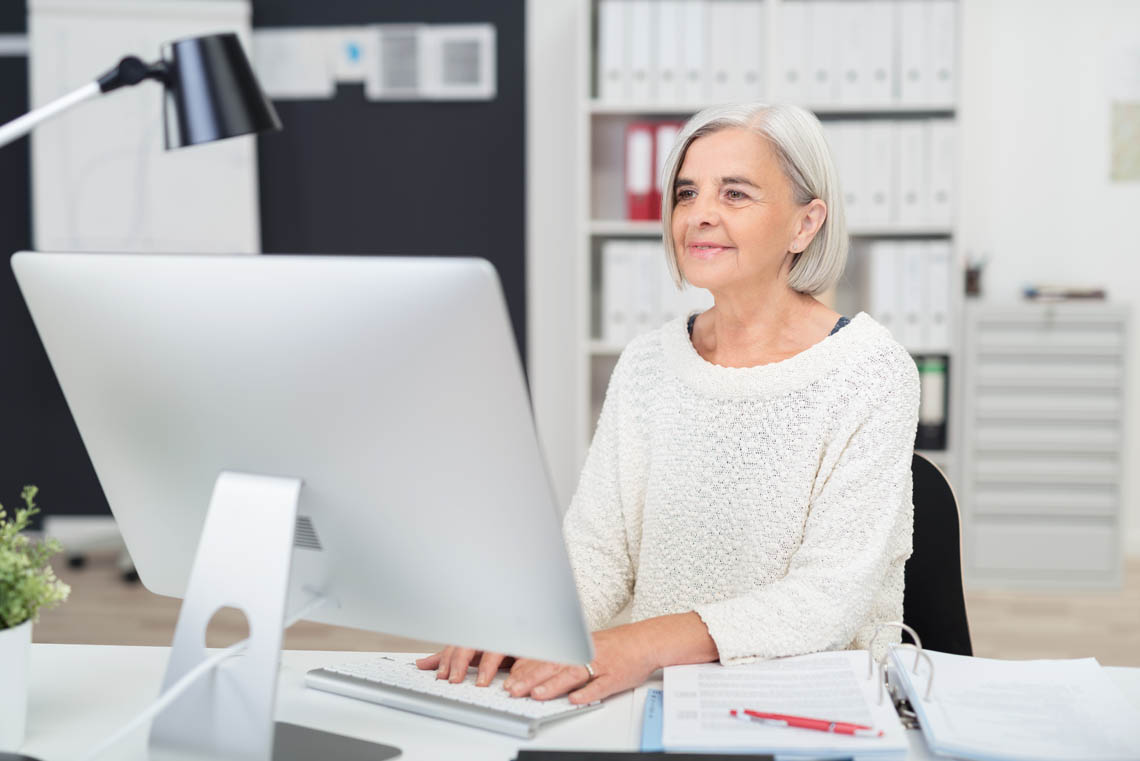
x: 801, y: 149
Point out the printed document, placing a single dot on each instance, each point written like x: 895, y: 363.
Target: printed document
x: 833, y: 686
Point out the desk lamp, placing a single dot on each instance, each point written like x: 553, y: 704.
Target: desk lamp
x: 211, y: 93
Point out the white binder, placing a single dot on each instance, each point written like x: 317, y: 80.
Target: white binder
x: 941, y: 151
x: 910, y: 174
x: 795, y: 31
x: 751, y: 46
x: 878, y: 27
x: 640, y: 38
x: 851, y: 53
x: 940, y: 283
x: 617, y: 292
x: 854, y: 172
x: 880, y: 162
x: 833, y: 134
x: 668, y: 46
x: 914, y: 51
x: 693, y: 48
x: 723, y: 57
x: 912, y: 331
x: 823, y: 58
x: 884, y: 265
x: 613, y: 51
x: 981, y: 708
x: 942, y: 33
x: 646, y: 292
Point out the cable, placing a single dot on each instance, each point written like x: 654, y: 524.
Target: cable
x: 171, y: 694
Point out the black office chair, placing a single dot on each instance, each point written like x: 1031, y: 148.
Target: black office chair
x: 934, y: 604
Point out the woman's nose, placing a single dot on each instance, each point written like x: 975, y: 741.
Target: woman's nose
x: 705, y: 212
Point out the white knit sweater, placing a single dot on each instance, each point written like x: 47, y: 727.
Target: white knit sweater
x: 775, y: 501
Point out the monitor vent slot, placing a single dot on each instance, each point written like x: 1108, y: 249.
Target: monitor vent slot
x: 304, y: 535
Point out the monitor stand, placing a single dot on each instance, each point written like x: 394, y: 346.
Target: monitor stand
x: 243, y: 561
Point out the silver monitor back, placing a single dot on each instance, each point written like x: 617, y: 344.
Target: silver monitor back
x: 391, y: 386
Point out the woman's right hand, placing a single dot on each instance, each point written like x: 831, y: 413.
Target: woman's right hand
x: 451, y: 664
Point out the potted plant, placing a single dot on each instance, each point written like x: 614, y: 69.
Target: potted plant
x: 27, y: 585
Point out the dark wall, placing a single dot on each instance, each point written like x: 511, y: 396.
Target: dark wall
x: 38, y: 440
x: 350, y: 175
x: 345, y: 176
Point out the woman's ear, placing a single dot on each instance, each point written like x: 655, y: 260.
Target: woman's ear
x: 812, y: 218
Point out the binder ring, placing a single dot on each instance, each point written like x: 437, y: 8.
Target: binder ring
x: 919, y: 653
x: 875, y: 635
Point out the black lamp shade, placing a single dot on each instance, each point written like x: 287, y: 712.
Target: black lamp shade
x: 211, y: 92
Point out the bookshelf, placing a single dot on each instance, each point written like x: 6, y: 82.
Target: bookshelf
x: 620, y: 228
x: 602, y: 122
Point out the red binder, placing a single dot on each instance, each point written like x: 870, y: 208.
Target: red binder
x: 639, y: 171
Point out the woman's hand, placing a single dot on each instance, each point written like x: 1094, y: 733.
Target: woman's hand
x: 451, y: 664
x: 624, y: 657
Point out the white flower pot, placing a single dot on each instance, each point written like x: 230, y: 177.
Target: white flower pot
x: 15, y: 655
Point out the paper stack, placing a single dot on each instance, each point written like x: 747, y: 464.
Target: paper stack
x: 832, y: 686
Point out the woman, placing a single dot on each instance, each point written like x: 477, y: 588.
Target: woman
x: 748, y: 488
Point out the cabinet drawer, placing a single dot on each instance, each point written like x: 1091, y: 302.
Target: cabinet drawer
x: 1094, y: 374
x: 1052, y: 339
x: 1046, y: 468
x: 1037, y: 499
x: 1011, y: 545
x: 1042, y: 405
x: 1102, y: 437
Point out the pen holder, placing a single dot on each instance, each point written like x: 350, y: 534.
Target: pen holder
x: 15, y: 654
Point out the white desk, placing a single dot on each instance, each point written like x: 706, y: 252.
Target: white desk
x: 82, y: 693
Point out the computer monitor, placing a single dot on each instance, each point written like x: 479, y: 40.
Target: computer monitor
x: 390, y: 386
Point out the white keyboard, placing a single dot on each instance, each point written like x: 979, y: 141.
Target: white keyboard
x: 396, y: 682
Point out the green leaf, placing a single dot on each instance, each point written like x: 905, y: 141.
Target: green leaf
x: 28, y: 585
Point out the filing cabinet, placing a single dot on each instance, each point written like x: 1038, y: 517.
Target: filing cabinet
x: 1044, y: 444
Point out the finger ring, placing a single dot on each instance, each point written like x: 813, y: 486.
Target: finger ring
x: 590, y: 671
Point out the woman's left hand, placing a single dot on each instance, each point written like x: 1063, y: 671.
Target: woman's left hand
x: 624, y: 657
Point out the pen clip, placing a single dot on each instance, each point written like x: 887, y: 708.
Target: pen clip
x: 742, y: 715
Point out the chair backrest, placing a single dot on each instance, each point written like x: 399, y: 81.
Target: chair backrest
x: 934, y: 603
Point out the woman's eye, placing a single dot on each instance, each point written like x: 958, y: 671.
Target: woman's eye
x: 685, y: 195
x: 734, y: 195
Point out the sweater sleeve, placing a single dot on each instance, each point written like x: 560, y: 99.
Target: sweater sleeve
x: 595, y: 523
x: 856, y: 539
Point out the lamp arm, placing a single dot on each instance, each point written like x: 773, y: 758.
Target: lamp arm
x: 129, y: 71
x: 21, y: 126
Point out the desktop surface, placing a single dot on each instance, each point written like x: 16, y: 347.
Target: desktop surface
x: 82, y: 693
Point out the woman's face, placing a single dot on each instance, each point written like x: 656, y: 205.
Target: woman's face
x: 734, y: 218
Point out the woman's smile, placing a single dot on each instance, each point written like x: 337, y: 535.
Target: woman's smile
x: 702, y: 249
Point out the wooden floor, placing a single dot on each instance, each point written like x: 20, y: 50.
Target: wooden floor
x: 1006, y: 624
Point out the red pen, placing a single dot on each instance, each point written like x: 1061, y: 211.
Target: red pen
x: 802, y: 722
